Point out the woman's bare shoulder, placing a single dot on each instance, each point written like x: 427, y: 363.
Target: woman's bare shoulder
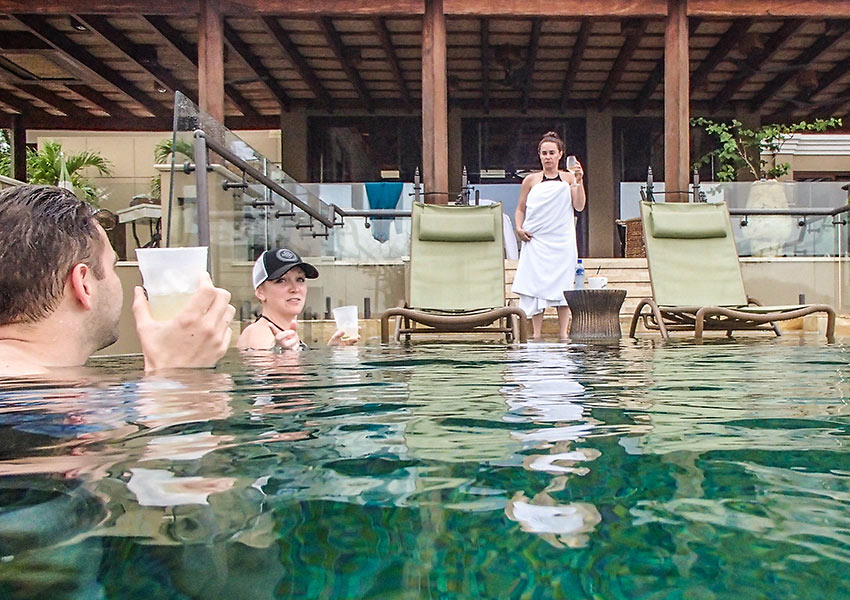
x: 257, y: 335
x: 532, y: 179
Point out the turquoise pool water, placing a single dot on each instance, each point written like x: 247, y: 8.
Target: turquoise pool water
x: 634, y: 470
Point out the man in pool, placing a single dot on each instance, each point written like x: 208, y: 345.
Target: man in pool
x: 280, y: 284
x: 60, y: 297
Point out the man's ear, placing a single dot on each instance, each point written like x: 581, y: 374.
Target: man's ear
x: 80, y: 285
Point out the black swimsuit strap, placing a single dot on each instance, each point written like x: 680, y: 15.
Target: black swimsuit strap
x: 272, y: 322
x: 555, y: 178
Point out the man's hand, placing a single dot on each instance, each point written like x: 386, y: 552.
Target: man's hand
x: 288, y: 338
x: 197, y: 337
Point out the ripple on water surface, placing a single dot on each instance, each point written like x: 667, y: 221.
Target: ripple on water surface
x: 630, y: 470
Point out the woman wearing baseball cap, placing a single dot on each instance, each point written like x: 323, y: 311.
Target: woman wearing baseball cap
x: 280, y: 284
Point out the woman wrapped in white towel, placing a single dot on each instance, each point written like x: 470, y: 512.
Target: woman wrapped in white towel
x: 544, y: 222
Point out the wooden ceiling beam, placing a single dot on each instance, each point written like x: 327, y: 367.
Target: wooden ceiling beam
x: 827, y: 109
x: 173, y: 37
x: 339, y: 50
x: 575, y: 61
x: 825, y: 80
x: 533, y: 46
x: 655, y: 78
x: 100, y: 26
x: 754, y: 63
x: 383, y: 32
x: 21, y: 105
x: 256, y: 65
x: 58, y: 40
x: 477, y: 8
x: 486, y: 58
x: 55, y: 100
x: 657, y: 74
x: 635, y: 33
x: 21, y: 40
x: 291, y: 52
x: 113, y: 7
x: 727, y: 42
x: 114, y: 109
x: 812, y: 9
x: 190, y: 52
x: 562, y: 8
x: 824, y: 43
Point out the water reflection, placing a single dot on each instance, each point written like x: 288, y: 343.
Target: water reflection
x: 550, y: 470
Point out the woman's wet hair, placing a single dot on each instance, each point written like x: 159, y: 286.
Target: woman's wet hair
x: 44, y: 232
x: 551, y: 136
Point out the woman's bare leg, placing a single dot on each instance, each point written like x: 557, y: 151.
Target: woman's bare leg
x: 537, y: 326
x: 563, y: 321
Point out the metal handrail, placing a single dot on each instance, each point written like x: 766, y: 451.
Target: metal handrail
x: 259, y: 176
x: 791, y: 212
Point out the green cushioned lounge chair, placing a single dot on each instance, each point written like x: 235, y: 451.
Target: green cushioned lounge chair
x: 457, y: 275
x: 696, y: 277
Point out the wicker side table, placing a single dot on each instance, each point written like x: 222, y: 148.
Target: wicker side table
x: 596, y: 313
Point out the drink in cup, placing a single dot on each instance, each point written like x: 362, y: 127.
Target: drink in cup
x: 572, y: 163
x: 346, y: 320
x: 171, y: 276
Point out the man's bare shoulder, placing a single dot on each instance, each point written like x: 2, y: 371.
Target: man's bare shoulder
x: 14, y: 363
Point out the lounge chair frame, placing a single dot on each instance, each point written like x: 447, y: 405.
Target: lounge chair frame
x: 718, y: 318
x: 513, y: 323
x: 666, y: 318
x: 447, y: 242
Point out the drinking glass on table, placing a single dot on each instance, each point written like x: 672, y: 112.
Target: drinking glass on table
x: 572, y: 163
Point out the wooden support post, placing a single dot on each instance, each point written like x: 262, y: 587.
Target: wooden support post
x: 676, y: 99
x: 19, y: 150
x: 435, y: 114
x: 211, y: 59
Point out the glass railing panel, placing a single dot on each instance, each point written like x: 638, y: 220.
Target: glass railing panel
x: 254, y: 205
x: 760, y: 235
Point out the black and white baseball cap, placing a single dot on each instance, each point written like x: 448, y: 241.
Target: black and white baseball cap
x: 274, y: 264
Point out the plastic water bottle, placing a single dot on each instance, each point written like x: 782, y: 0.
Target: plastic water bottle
x: 579, y: 276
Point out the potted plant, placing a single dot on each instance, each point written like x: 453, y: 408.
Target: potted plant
x: 742, y: 149
x: 742, y: 153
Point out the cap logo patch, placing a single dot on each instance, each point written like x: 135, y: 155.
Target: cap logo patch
x: 284, y: 254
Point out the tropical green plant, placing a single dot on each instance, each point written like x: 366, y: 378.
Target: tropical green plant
x: 161, y: 153
x: 44, y: 166
x: 5, y: 154
x: 741, y: 148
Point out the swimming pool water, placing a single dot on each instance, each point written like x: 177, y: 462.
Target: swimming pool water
x: 633, y: 470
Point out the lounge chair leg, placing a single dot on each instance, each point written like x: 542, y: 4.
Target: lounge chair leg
x: 699, y: 324
x: 635, y: 317
x: 385, y: 329
x: 830, y: 326
x: 522, y: 323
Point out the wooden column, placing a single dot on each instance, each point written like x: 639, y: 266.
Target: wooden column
x: 676, y: 99
x: 19, y: 150
x: 211, y: 59
x: 435, y: 114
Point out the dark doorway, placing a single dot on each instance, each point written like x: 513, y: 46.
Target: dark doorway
x: 355, y: 149
x: 504, y: 150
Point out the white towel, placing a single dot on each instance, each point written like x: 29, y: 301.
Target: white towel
x: 547, y: 264
x: 511, y: 250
